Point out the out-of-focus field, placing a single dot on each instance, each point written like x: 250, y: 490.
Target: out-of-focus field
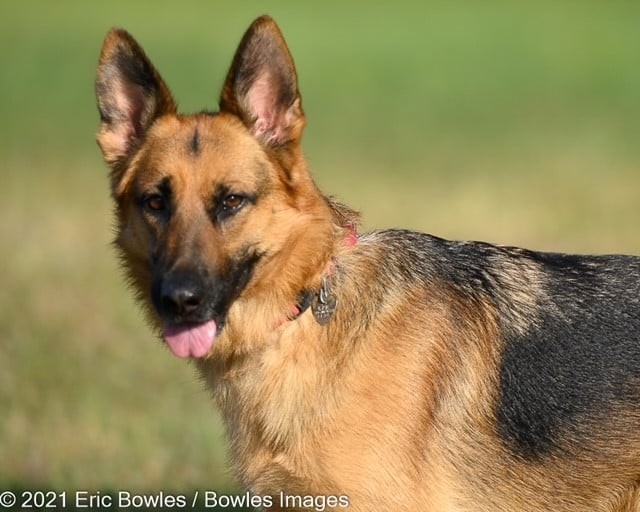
x: 508, y: 122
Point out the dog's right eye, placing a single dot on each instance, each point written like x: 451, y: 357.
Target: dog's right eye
x: 155, y: 203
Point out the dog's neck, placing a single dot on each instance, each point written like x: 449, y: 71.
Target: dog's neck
x: 321, y: 301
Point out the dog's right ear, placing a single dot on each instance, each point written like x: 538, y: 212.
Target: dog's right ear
x: 130, y: 94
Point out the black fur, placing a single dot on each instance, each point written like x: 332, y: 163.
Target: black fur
x: 579, y: 359
x: 136, y: 69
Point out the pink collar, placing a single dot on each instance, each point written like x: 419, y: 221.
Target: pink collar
x: 322, y: 302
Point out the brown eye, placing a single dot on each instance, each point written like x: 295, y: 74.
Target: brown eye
x: 232, y: 202
x: 155, y: 203
x: 227, y: 205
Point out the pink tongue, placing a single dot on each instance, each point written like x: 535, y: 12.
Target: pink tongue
x: 190, y: 340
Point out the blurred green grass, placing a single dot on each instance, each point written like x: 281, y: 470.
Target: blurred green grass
x: 514, y: 123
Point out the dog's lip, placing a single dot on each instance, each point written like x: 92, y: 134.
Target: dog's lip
x: 190, y: 339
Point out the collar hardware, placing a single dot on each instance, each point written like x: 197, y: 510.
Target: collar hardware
x: 324, y: 303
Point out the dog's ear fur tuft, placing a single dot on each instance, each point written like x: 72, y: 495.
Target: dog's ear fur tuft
x: 130, y: 95
x: 261, y: 87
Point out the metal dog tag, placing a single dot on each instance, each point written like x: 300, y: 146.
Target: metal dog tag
x: 323, y: 305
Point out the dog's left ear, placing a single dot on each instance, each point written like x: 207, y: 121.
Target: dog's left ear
x: 262, y: 86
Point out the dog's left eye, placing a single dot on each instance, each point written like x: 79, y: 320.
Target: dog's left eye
x: 232, y: 203
x: 227, y: 205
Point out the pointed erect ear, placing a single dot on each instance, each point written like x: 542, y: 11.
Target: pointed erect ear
x: 262, y: 86
x: 130, y: 94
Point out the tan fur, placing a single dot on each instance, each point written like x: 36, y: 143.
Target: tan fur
x: 392, y: 403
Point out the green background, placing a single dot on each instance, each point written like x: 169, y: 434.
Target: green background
x: 511, y: 122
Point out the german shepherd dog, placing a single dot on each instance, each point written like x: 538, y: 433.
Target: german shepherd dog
x: 385, y: 371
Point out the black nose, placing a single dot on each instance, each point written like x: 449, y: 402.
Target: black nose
x: 181, y: 296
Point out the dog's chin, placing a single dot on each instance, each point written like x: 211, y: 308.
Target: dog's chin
x: 190, y: 339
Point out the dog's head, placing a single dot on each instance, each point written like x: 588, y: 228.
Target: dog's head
x: 215, y: 210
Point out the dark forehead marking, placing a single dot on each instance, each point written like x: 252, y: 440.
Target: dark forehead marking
x: 194, y: 143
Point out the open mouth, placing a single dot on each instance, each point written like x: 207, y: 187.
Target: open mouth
x: 190, y: 339
x: 193, y: 302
